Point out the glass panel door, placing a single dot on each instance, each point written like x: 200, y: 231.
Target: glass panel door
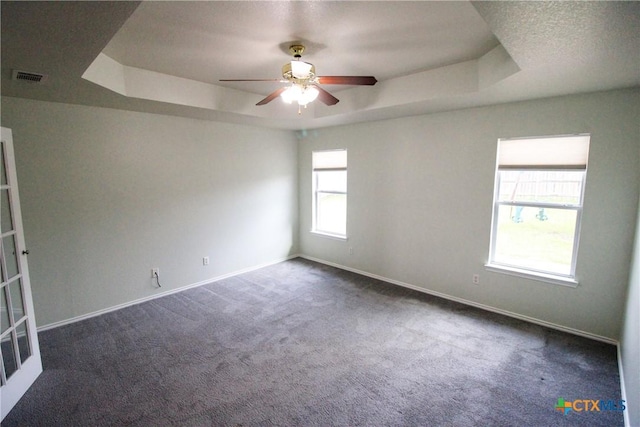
x: 20, y: 362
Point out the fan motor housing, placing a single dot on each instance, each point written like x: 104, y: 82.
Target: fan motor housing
x: 288, y: 73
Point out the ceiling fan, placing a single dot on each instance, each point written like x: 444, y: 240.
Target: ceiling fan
x: 304, y: 86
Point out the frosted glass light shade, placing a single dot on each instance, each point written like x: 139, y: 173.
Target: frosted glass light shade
x: 300, y: 94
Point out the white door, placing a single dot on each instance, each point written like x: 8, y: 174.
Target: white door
x: 20, y: 361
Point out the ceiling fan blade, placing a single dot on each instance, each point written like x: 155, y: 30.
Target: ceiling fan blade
x: 347, y: 80
x: 273, y: 95
x: 250, y: 80
x: 326, y: 97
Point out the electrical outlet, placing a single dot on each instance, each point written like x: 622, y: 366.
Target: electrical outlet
x: 476, y: 279
x: 154, y: 272
x: 205, y: 260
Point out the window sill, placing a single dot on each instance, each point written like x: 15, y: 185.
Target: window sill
x: 528, y: 274
x: 329, y: 235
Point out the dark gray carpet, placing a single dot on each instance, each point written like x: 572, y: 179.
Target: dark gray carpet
x: 300, y: 343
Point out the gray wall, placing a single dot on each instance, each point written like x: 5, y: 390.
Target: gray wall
x: 107, y: 195
x: 420, y: 201
x: 630, y: 341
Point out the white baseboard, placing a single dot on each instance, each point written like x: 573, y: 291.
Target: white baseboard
x: 470, y: 303
x: 160, y: 295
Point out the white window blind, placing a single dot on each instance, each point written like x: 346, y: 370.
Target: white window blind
x: 563, y: 152
x: 329, y: 160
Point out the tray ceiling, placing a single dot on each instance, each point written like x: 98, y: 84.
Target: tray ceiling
x: 168, y: 57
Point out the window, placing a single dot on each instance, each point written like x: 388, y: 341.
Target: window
x: 537, y: 207
x: 330, y: 192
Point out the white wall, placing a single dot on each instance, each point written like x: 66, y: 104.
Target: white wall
x: 630, y: 340
x: 107, y: 195
x: 420, y: 201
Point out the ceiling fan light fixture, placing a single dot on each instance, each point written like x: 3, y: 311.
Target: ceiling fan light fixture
x: 302, y: 95
x: 290, y: 94
x: 309, y: 94
x: 305, y: 85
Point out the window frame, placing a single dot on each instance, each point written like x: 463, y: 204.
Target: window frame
x: 569, y: 279
x: 317, y: 193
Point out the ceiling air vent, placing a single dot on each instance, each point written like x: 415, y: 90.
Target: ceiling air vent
x: 29, y: 77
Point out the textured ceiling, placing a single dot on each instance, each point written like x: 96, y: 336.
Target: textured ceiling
x: 571, y: 34
x: 168, y: 57
x: 208, y: 41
